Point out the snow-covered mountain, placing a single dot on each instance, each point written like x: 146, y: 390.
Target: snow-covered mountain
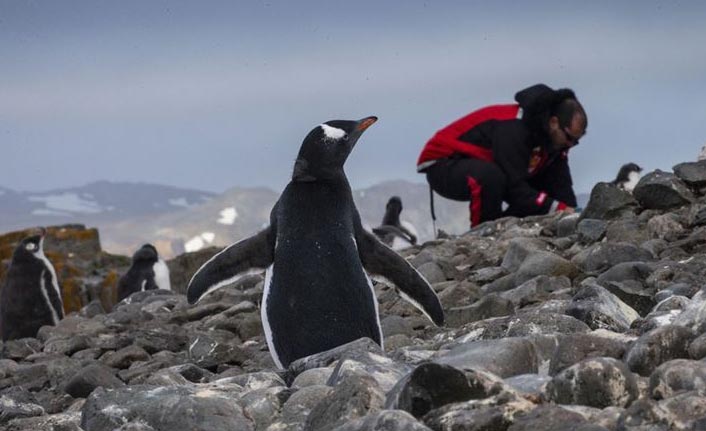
x: 176, y: 220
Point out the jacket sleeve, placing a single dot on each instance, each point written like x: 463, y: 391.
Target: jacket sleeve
x: 556, y: 180
x: 512, y: 155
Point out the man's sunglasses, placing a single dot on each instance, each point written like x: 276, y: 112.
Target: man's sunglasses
x: 571, y: 138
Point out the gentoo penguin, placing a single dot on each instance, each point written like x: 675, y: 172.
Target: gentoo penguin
x: 317, y: 294
x: 31, y: 295
x: 628, y: 176
x: 147, y: 272
x: 391, y: 231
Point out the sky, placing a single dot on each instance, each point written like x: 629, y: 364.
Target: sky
x: 215, y: 94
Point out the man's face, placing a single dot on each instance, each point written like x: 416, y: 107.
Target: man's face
x: 567, y: 137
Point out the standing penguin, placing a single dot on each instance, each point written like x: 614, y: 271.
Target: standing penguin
x: 147, y: 272
x: 317, y: 295
x: 628, y: 176
x: 391, y: 231
x: 31, y: 295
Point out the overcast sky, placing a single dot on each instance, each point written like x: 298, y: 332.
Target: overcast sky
x: 210, y: 95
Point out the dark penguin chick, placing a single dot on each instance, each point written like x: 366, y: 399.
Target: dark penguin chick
x: 391, y: 227
x: 628, y: 176
x: 31, y: 295
x: 147, y: 272
x: 317, y: 294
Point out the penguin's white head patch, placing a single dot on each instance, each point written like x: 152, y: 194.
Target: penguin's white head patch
x: 30, y: 246
x: 333, y: 133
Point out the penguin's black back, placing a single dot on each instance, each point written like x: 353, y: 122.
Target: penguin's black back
x: 141, y: 273
x: 392, y: 212
x: 318, y: 285
x: 23, y: 308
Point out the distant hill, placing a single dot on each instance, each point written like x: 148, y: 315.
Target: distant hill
x: 177, y: 220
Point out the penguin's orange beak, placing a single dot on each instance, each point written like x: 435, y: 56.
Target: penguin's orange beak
x: 365, y: 123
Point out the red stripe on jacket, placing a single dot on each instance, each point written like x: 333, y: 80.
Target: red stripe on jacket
x: 446, y: 141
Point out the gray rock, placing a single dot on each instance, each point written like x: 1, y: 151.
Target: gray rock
x: 697, y: 348
x: 518, y: 250
x: 692, y: 173
x: 530, y: 323
x: 496, y: 413
x: 567, y: 225
x: 534, y: 385
x: 591, y: 230
x: 13, y: 409
x: 677, y: 376
x: 544, y: 263
x: 298, y: 407
x: 354, y: 350
x: 488, y: 306
x: 124, y: 357
x: 534, y: 290
x: 662, y: 190
x: 608, y: 202
x: 432, y: 272
x: 574, y: 348
x: 505, y: 357
x: 385, y: 420
x: 212, y: 348
x: 59, y: 422
x: 551, y: 418
x: 693, y: 316
x: 312, y: 377
x: 633, y: 294
x: 644, y: 415
x: 395, y: 325
x: 599, y: 257
x: 595, y: 382
x: 665, y: 226
x: 384, y: 371
x: 200, y: 408
x: 350, y: 400
x: 686, y: 411
x: 21, y: 348
x: 626, y: 230
x: 88, y: 378
x: 658, y: 346
x: 431, y: 386
x: 263, y: 406
x: 66, y: 346
x: 600, y: 309
x: 637, y: 271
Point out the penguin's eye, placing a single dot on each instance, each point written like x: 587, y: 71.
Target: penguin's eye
x: 31, y: 246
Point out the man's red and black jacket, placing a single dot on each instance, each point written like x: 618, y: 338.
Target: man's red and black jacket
x: 538, y: 178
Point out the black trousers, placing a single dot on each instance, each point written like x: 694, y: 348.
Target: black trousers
x: 480, y: 182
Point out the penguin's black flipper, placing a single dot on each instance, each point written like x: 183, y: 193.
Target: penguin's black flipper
x: 225, y: 267
x: 379, y: 259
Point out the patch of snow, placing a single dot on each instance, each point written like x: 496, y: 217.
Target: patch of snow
x: 228, y: 216
x: 199, y: 241
x: 179, y: 202
x: 68, y: 202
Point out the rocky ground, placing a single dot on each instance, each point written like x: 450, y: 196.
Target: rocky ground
x: 590, y: 322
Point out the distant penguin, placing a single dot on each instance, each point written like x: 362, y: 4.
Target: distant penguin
x: 317, y: 294
x: 31, y: 295
x: 628, y: 176
x: 702, y: 154
x: 391, y: 231
x: 147, y: 272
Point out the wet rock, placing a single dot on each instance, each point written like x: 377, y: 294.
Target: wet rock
x: 88, y: 378
x: 431, y: 386
x: 608, y: 202
x: 595, y: 382
x: 505, y: 357
x: 662, y: 190
x: 677, y: 376
x: 574, y: 348
x: 350, y: 400
x: 600, y: 309
x: 658, y: 346
x: 599, y: 257
x: 488, y: 306
x: 385, y: 420
x: 203, y: 408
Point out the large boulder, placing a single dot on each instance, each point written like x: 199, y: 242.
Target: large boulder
x: 662, y: 190
x: 608, y: 202
x: 692, y: 173
x: 505, y: 357
x: 658, y: 346
x: 600, y: 309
